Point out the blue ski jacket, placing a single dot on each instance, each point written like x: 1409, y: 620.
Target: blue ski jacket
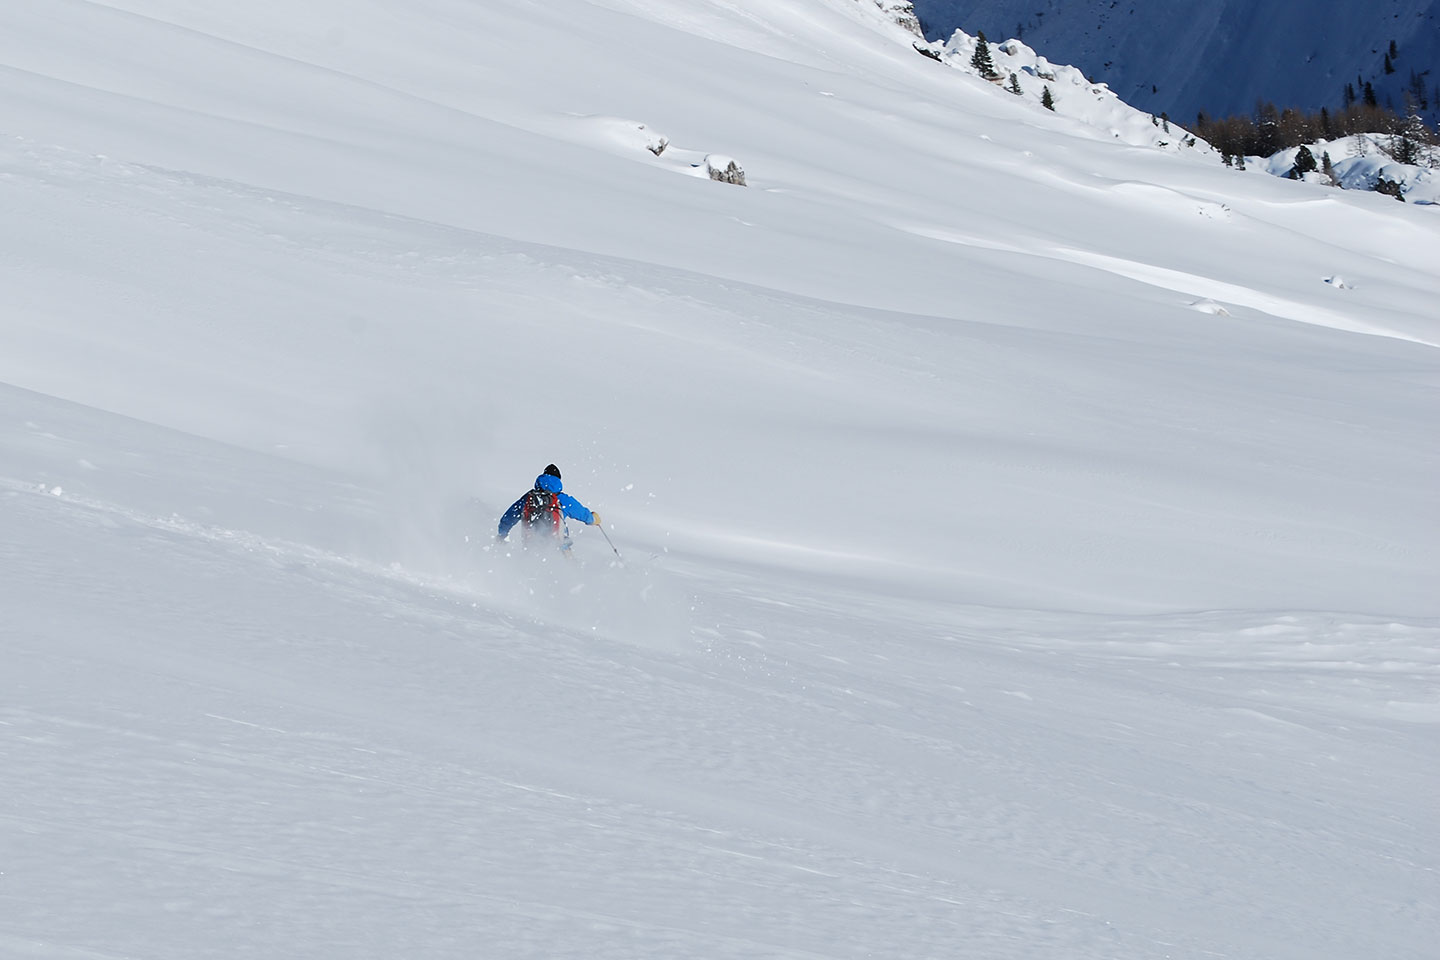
x: 569, y: 506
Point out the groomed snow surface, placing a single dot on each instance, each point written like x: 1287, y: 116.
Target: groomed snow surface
x: 1029, y: 538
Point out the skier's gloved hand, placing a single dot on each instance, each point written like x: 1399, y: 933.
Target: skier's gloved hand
x: 594, y: 519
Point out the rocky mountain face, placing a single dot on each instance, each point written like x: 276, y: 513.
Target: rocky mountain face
x: 1222, y: 56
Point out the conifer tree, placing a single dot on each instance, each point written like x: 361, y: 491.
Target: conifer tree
x: 980, y: 59
x: 1415, y: 89
x: 1046, y: 100
x: 1304, y: 163
x: 1015, y: 86
x: 1403, y: 149
x: 1267, y: 129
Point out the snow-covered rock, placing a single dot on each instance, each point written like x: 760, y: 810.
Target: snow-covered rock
x: 901, y: 12
x: 724, y: 169
x: 1361, y: 162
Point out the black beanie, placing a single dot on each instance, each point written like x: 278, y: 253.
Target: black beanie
x: 553, y: 471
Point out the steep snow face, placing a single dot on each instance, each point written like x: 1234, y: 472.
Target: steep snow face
x: 1027, y: 530
x: 1220, y: 56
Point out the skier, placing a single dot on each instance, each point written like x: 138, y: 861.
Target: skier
x: 544, y: 509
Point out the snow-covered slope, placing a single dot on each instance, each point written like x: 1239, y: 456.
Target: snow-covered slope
x: 1065, y: 90
x: 1027, y: 551
x: 1220, y: 56
x: 1359, y: 163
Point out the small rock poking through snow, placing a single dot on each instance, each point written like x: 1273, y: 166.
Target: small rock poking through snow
x: 724, y: 169
x: 1210, y: 307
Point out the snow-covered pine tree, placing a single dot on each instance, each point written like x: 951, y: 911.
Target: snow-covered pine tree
x: 980, y: 59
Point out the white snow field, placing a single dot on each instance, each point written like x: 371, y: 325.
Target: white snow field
x: 1030, y: 540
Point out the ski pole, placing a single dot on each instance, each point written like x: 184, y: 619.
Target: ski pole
x: 609, y: 541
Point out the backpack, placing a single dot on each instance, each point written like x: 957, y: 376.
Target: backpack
x: 541, y: 510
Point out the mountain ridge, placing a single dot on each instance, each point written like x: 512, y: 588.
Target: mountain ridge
x: 1219, y: 56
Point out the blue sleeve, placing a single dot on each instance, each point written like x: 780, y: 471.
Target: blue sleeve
x: 574, y: 509
x: 512, y: 516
